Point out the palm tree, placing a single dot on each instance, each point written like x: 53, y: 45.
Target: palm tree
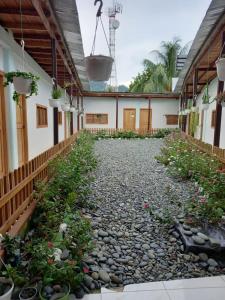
x: 157, y: 77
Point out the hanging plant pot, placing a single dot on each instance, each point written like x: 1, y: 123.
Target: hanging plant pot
x: 205, y: 106
x: 99, y: 67
x: 194, y: 109
x: 22, y: 85
x: 187, y: 111
x: 223, y: 103
x: 28, y: 293
x: 55, y: 102
x: 72, y: 109
x: 220, y: 66
x: 65, y: 107
x: 7, y: 287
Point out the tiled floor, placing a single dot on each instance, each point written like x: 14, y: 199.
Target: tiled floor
x: 208, y: 288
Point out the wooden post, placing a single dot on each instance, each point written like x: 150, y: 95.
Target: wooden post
x: 149, y: 113
x: 82, y: 117
x: 218, y: 105
x: 78, y: 108
x: 195, y: 85
x: 55, y: 109
x: 117, y: 105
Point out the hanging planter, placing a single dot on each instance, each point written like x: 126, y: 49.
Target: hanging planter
x: 220, y: 67
x: 24, y: 84
x: 56, y: 99
x: 72, y: 109
x: 194, y: 109
x: 65, y: 107
x: 187, y: 111
x: 99, y: 67
x: 205, y: 106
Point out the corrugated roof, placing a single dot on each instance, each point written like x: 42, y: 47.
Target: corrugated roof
x: 67, y: 15
x: 213, y: 15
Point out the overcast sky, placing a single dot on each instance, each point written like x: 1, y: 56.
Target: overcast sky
x: 143, y: 25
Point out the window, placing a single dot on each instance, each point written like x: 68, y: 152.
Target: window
x: 171, y: 119
x: 213, y: 120
x: 60, y: 118
x: 42, y: 116
x: 96, y: 118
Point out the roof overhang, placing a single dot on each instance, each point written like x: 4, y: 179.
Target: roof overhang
x: 205, y: 48
x: 132, y: 95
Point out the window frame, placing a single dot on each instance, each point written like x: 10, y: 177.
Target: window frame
x: 45, y: 108
x: 97, y: 115
x: 170, y: 116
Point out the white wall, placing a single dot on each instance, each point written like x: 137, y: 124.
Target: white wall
x: 39, y: 139
x: 160, y: 107
x: 100, y: 105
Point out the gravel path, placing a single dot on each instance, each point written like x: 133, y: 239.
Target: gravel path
x: 132, y: 245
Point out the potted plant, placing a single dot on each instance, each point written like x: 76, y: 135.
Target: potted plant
x: 99, y: 67
x: 205, y: 98
x: 28, y: 293
x: 6, y: 288
x: 56, y: 97
x: 65, y: 107
x: 24, y: 84
x: 220, y: 67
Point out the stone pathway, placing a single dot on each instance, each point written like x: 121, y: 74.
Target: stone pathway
x: 131, y: 244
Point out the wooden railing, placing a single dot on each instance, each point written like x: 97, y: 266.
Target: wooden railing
x: 110, y: 131
x: 17, y: 200
x: 208, y: 148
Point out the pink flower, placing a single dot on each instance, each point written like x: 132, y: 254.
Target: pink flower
x: 202, y: 200
x: 85, y: 270
x: 146, y: 205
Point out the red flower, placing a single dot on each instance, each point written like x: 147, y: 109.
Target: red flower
x: 85, y: 269
x: 50, y: 245
x: 146, y: 205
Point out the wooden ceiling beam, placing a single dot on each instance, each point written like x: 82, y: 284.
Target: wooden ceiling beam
x: 26, y: 26
x: 26, y: 11
x: 32, y: 36
x: 41, y: 44
x: 46, y: 23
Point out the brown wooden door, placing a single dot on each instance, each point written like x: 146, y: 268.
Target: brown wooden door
x: 21, y: 122
x: 3, y: 136
x: 129, y: 118
x: 145, y: 119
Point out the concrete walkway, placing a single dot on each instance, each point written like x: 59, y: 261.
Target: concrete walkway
x: 207, y: 288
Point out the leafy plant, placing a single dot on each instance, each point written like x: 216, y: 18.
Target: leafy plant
x: 34, y: 86
x: 56, y: 93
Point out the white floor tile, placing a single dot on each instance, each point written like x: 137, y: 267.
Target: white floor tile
x: 92, y: 297
x: 208, y: 282
x: 149, y: 286
x: 198, y: 294
x: 146, y: 295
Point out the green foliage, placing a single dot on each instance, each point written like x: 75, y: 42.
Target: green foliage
x: 186, y: 161
x: 158, y: 77
x: 56, y: 93
x: 103, y: 134
x: 63, y: 195
x: 194, y: 121
x: 34, y: 86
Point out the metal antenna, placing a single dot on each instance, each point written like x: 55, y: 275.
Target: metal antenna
x: 113, y: 26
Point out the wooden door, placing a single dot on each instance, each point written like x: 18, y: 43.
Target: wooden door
x: 145, y: 119
x: 21, y: 122
x: 129, y: 118
x: 201, y: 125
x: 3, y: 136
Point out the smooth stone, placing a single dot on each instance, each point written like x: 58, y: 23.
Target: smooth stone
x: 88, y: 280
x: 102, y: 233
x: 110, y: 261
x: 194, y: 230
x: 212, y: 263
x: 104, y: 276
x: 65, y: 254
x: 203, y: 256
x: 203, y: 236
x: 197, y: 240
x: 214, y: 243
x: 145, y: 247
x: 95, y: 275
x: 115, y: 279
x: 188, y: 232
x: 186, y: 227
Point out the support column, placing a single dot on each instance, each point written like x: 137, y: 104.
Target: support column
x: 149, y: 113
x: 218, y: 105
x: 195, y: 86
x: 55, y: 109
x: 78, y: 108
x: 82, y: 108
x: 117, y: 107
